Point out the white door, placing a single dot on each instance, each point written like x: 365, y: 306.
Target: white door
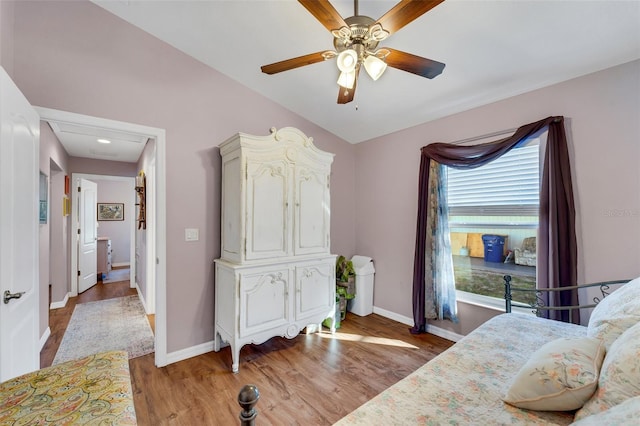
x: 19, y: 232
x: 88, y: 236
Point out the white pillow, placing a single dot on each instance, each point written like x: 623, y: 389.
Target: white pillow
x: 560, y: 376
x: 616, y: 313
x: 626, y: 413
x: 620, y: 375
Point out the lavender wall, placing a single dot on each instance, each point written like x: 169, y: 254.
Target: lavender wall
x: 75, y: 56
x: 6, y: 36
x: 43, y: 265
x: 53, y: 263
x: 58, y: 242
x: 602, y: 111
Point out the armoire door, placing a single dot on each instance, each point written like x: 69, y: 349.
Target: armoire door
x: 311, y: 210
x: 315, y: 289
x: 267, y: 226
x: 264, y: 300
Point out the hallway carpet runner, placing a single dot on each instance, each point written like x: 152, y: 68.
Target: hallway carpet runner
x: 106, y: 325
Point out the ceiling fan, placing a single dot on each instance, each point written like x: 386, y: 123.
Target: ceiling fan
x: 356, y: 40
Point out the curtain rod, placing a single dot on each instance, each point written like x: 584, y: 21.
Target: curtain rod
x: 488, y: 135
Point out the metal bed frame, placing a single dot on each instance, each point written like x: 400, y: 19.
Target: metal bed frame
x: 539, y: 306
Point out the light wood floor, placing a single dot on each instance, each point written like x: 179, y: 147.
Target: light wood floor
x: 309, y: 380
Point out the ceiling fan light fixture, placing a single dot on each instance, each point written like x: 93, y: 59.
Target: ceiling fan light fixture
x: 356, y: 40
x: 374, y: 66
x: 347, y: 79
x: 347, y: 60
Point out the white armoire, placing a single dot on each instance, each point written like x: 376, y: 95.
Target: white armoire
x: 275, y: 275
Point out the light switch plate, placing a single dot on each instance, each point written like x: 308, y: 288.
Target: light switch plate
x: 191, y: 234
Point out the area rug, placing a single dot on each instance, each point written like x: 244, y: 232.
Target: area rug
x: 106, y: 325
x: 116, y: 276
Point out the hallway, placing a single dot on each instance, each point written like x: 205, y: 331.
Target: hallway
x: 59, y: 318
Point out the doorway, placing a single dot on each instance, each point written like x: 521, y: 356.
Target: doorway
x: 129, y: 202
x: 155, y: 260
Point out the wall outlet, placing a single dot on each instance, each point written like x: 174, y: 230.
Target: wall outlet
x: 191, y: 234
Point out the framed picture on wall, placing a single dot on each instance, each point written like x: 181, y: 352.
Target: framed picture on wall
x: 66, y: 206
x: 110, y: 211
x: 44, y: 198
x: 43, y: 211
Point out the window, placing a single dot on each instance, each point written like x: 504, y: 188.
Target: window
x: 509, y: 185
x: 494, y: 205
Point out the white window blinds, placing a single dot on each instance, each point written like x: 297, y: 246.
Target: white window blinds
x: 509, y: 185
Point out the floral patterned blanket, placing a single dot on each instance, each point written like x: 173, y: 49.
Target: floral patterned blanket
x: 465, y: 384
x: 94, y: 390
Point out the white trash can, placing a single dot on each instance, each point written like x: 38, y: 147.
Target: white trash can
x: 362, y: 304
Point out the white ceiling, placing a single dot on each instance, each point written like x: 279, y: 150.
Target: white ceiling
x: 492, y: 50
x: 81, y: 140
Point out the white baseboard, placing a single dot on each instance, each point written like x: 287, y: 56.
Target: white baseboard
x: 44, y: 337
x: 393, y: 316
x: 445, y: 334
x: 61, y: 304
x: 187, y: 353
x: 141, y: 297
x: 436, y: 331
x: 121, y: 264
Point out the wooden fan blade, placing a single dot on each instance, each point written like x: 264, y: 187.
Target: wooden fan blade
x: 404, y: 12
x: 415, y: 64
x: 292, y: 63
x: 325, y: 13
x: 346, y: 95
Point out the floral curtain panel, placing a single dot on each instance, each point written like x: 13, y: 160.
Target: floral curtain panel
x: 557, y: 248
x: 440, y: 292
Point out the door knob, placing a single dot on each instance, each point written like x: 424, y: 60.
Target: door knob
x: 8, y: 296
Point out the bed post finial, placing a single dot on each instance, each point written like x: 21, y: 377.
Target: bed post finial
x: 247, y: 399
x: 507, y: 293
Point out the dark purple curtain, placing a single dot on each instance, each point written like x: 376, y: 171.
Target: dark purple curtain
x: 557, y: 248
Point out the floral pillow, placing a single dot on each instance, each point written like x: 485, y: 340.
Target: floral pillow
x: 560, y: 376
x: 616, y: 313
x: 626, y: 413
x: 620, y: 375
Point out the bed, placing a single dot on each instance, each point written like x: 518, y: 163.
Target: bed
x: 561, y: 373
x: 93, y: 390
